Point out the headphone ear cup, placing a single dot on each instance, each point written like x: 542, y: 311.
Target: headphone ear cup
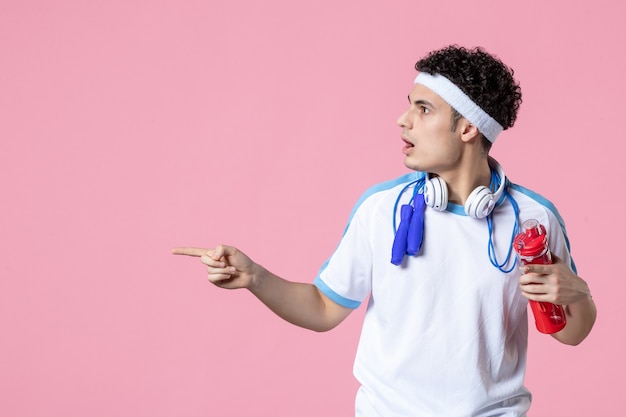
x: 436, y: 193
x: 480, y: 203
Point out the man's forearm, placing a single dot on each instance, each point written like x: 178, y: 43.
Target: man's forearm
x: 581, y: 317
x: 298, y: 303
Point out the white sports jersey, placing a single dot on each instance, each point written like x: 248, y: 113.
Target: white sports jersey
x: 445, y: 333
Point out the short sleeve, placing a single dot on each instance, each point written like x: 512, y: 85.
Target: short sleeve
x: 346, y: 276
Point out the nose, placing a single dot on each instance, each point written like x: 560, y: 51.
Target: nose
x: 403, y: 120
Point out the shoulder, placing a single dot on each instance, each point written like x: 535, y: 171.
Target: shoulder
x: 535, y: 206
x: 386, y: 189
x: 530, y: 197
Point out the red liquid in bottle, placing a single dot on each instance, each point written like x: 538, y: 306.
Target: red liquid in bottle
x: 532, y: 247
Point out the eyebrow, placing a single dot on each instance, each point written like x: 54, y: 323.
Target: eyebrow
x: 421, y: 102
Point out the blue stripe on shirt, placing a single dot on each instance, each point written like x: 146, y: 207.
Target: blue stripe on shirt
x: 546, y: 203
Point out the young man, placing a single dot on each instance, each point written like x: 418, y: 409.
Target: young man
x: 445, y: 332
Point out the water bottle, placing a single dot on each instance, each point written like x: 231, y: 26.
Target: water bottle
x: 531, y: 246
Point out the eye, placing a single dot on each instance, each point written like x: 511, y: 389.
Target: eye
x: 424, y: 109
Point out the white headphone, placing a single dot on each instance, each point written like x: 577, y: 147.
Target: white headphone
x: 480, y: 202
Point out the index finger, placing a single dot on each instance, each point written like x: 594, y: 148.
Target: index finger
x: 190, y: 251
x: 541, y: 269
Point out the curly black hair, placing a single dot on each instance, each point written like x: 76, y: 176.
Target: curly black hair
x: 483, y: 77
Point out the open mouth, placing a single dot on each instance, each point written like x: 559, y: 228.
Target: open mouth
x: 407, y: 145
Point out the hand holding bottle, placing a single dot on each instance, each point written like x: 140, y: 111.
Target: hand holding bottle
x: 531, y: 246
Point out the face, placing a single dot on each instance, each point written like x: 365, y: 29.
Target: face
x: 430, y: 145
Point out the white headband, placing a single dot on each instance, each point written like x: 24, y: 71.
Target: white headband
x: 460, y: 102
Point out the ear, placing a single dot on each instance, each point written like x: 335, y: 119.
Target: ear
x: 469, y: 132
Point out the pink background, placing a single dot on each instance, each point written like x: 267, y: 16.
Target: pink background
x: 130, y: 127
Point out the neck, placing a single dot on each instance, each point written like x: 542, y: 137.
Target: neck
x: 466, y: 177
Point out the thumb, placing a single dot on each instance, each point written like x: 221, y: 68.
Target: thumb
x: 222, y: 251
